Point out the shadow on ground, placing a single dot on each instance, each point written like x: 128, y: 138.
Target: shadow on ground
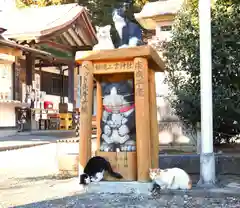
x: 135, y: 200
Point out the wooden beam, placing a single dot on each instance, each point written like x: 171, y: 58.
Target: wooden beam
x: 56, y: 33
x: 10, y: 51
x: 64, y: 41
x: 76, y: 30
x: 69, y: 38
x: 82, y: 32
x: 90, y: 31
x: 49, y: 64
x: 76, y: 37
x: 56, y: 45
x: 99, y: 113
x: 146, y: 51
x: 153, y: 121
x: 142, y: 118
x: 86, y: 114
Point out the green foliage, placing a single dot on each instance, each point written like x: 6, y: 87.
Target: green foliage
x: 99, y: 10
x: 40, y: 3
x: 182, y: 55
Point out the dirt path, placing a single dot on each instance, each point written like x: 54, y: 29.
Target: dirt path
x: 31, y: 175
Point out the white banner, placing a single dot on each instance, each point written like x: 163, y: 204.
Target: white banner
x: 6, y: 92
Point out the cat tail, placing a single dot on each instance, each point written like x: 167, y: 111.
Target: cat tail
x: 112, y: 173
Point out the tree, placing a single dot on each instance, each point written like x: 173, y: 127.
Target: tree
x: 40, y: 3
x: 99, y: 10
x: 183, y: 64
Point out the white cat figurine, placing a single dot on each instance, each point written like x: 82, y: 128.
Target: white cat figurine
x: 104, y: 38
x: 172, y: 178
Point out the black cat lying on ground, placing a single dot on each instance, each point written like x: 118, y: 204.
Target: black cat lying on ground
x: 94, y: 170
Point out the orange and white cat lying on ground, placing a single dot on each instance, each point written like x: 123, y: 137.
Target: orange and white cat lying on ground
x: 172, y: 178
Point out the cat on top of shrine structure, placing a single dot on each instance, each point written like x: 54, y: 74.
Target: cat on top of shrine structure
x: 130, y: 33
x: 104, y: 38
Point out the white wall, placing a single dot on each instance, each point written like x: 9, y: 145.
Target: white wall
x: 7, y: 110
x: 6, y: 77
x: 7, y: 115
x: 55, y: 99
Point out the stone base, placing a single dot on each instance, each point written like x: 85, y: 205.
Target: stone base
x: 225, y: 164
x: 106, y: 187
x: 119, y: 187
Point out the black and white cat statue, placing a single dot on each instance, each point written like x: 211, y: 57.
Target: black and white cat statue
x: 118, y: 119
x: 94, y: 171
x: 130, y: 33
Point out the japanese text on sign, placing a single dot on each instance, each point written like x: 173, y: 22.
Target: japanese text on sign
x: 113, y: 66
x: 139, y: 79
x: 84, y: 90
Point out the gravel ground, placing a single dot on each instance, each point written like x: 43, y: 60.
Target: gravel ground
x: 137, y: 201
x: 28, y: 176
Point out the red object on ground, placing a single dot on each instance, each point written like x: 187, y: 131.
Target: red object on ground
x: 48, y: 105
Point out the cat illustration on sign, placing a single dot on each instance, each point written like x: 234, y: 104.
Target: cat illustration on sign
x: 104, y: 38
x: 130, y: 33
x: 172, y: 178
x: 118, y: 118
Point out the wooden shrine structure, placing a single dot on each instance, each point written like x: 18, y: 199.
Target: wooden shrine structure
x: 59, y: 30
x: 136, y: 63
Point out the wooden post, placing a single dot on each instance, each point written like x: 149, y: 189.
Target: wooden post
x: 113, y: 66
x: 142, y: 118
x: 71, y: 69
x: 86, y: 114
x: 153, y: 120
x: 99, y: 112
x: 62, y: 84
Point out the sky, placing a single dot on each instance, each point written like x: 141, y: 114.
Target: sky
x: 5, y: 4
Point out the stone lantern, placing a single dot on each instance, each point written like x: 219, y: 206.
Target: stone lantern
x: 159, y: 16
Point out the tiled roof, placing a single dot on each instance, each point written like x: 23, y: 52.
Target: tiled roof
x: 34, y: 22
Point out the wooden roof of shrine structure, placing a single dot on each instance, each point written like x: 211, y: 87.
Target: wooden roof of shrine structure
x: 60, y: 29
x: 145, y: 51
x: 8, y: 47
